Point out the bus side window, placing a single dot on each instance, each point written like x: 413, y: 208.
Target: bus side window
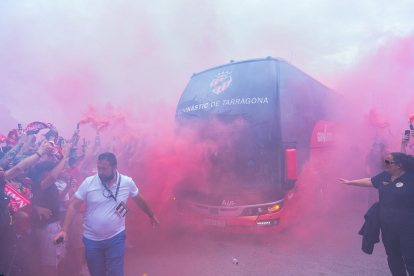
x: 285, y: 95
x: 298, y: 85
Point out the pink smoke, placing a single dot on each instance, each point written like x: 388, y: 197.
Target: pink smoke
x: 96, y: 121
x: 373, y: 118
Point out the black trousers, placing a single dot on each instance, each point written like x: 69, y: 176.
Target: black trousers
x: 397, y: 232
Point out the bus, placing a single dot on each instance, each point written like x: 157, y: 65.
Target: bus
x: 267, y: 130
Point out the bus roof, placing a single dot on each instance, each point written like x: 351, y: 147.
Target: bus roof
x: 260, y: 59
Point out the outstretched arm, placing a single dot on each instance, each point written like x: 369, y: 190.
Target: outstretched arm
x: 365, y: 182
x: 25, y: 163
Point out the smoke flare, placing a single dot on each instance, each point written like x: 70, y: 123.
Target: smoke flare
x: 96, y: 121
x: 373, y: 118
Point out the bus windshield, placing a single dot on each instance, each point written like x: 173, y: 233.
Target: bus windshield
x: 233, y: 110
x: 238, y: 158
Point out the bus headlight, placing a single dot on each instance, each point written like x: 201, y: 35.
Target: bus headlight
x: 273, y: 209
x: 262, y: 209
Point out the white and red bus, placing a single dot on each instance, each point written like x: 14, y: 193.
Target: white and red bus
x: 269, y: 128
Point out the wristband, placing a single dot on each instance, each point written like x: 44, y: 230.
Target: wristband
x: 152, y: 215
x: 38, y: 155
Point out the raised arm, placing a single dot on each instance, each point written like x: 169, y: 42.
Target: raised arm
x: 404, y: 143
x: 69, y: 187
x: 27, y: 162
x: 90, y: 150
x: 52, y: 133
x: 137, y: 154
x: 53, y: 176
x: 124, y: 151
x: 75, y: 137
x: 8, y: 157
x: 365, y: 182
x: 27, y: 144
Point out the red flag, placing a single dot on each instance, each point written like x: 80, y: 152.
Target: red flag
x: 35, y: 127
x: 13, y: 139
x: 54, y: 154
x: 17, y: 200
x: 3, y: 138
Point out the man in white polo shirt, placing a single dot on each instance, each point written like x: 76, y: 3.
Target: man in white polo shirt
x: 106, y: 195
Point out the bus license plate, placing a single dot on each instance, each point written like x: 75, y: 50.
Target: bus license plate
x: 214, y: 222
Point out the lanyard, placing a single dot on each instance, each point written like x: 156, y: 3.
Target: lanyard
x: 109, y: 191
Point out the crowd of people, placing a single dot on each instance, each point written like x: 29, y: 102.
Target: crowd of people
x: 62, y: 206
x: 39, y: 181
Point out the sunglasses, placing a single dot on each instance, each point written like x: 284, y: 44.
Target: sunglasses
x: 388, y: 162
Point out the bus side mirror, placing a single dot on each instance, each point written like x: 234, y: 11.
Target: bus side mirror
x: 291, y: 164
x: 291, y: 169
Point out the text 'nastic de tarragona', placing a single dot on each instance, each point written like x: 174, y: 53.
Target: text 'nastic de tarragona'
x: 223, y: 103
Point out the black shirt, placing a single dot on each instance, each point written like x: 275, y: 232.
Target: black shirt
x: 47, y: 198
x: 395, y: 194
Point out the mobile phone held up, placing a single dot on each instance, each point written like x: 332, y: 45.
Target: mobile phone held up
x: 407, y: 132
x: 411, y: 125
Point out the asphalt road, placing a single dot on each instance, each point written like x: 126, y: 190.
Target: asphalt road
x: 327, y: 245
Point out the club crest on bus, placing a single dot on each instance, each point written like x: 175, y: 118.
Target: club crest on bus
x: 221, y: 82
